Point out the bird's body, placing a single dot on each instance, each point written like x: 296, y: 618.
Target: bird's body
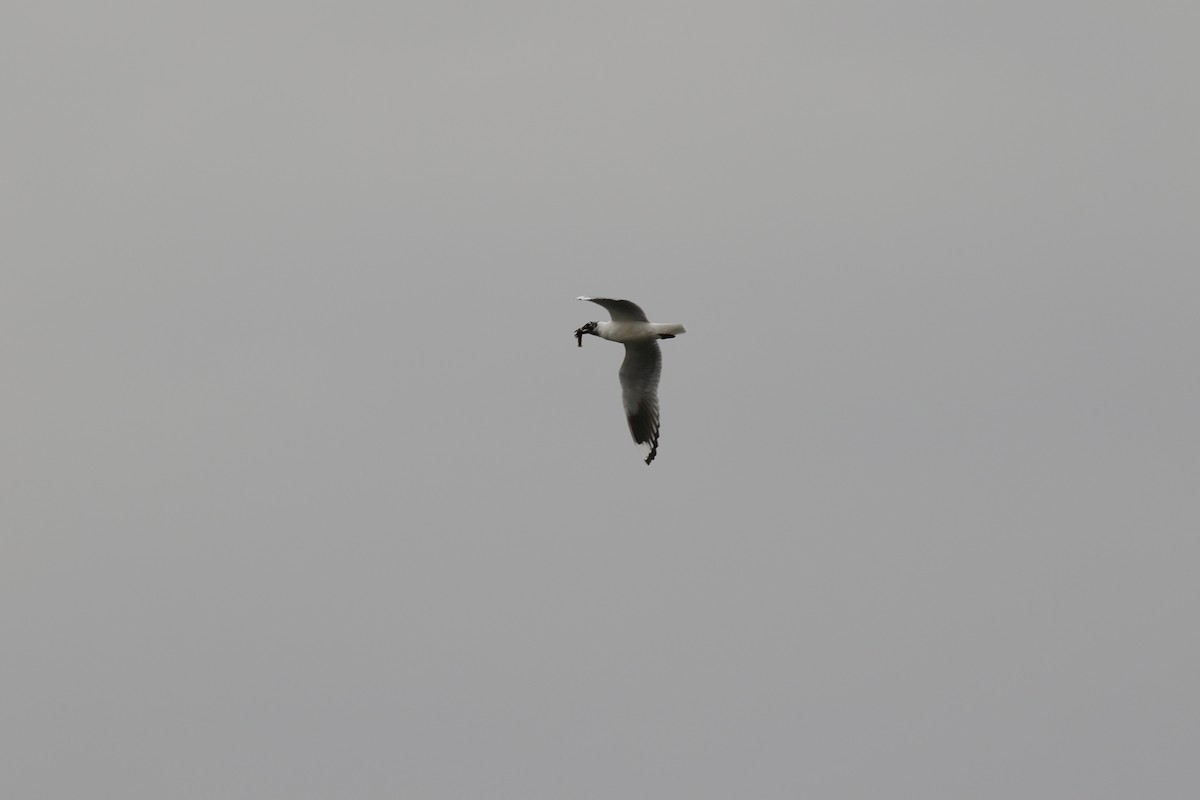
x: 642, y: 366
x: 627, y: 332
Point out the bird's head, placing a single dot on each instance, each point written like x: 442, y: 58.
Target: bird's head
x: 588, y: 327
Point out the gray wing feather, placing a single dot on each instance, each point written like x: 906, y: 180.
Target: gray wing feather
x: 621, y: 310
x: 640, y: 372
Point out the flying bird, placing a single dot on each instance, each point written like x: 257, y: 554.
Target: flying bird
x: 642, y: 365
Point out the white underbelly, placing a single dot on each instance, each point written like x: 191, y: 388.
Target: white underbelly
x: 637, y: 331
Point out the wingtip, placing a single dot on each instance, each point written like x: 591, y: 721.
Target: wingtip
x: 650, y: 448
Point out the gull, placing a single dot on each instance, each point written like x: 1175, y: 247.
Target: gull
x: 642, y: 365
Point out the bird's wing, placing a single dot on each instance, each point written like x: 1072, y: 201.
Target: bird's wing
x: 639, y: 392
x: 621, y: 310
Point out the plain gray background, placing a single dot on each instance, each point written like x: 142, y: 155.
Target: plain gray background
x: 307, y: 491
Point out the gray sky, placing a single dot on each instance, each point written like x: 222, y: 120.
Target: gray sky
x: 306, y: 491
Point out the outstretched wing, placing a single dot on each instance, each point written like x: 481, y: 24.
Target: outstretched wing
x: 621, y: 310
x: 640, y: 372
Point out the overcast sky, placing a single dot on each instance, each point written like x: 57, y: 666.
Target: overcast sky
x: 307, y: 492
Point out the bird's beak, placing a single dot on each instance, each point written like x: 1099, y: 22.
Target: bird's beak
x: 579, y: 337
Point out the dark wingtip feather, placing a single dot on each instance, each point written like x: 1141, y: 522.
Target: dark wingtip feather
x: 643, y: 430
